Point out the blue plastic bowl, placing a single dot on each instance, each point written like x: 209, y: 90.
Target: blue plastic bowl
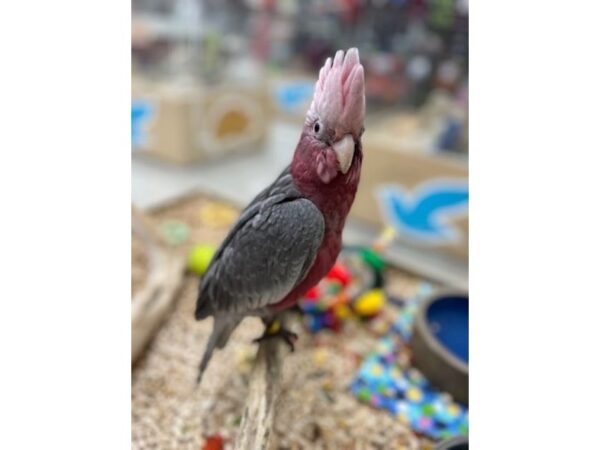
x: 440, y: 343
x: 448, y: 321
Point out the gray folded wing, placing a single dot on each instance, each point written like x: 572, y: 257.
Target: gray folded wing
x: 268, y: 252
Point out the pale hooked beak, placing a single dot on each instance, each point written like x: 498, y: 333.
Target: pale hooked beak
x: 344, y: 152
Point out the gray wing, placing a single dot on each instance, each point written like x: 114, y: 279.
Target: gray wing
x: 267, y: 253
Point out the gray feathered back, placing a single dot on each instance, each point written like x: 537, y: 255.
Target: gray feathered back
x: 265, y: 255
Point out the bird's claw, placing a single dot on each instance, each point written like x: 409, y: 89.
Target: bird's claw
x: 271, y: 332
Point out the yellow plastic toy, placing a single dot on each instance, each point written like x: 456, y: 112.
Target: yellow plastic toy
x: 199, y: 258
x: 370, y: 303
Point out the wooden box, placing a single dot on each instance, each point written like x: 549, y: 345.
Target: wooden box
x: 183, y: 123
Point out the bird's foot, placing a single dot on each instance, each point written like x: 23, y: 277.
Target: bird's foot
x: 275, y: 330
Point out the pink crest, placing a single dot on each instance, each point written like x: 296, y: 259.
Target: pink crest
x: 339, y: 98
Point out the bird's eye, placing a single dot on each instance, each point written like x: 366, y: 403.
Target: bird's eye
x: 317, y: 127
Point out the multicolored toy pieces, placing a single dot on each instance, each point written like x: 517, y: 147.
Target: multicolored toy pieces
x: 407, y: 395
x: 403, y: 326
x: 384, y: 382
x: 341, y: 274
x: 351, y: 289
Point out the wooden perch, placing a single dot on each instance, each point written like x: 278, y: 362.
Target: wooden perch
x: 265, y: 386
x: 165, y: 273
x: 150, y: 307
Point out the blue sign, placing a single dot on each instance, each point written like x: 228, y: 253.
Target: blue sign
x: 293, y: 96
x: 426, y: 213
x: 141, y: 113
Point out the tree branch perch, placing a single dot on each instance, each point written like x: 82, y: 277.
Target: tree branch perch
x: 265, y: 387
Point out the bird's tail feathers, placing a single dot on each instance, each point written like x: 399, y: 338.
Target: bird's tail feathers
x: 222, y: 329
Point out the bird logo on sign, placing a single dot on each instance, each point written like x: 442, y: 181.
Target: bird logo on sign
x: 141, y: 114
x: 294, y: 96
x: 426, y: 213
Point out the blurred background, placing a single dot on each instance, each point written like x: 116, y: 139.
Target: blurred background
x: 219, y: 93
x: 220, y: 89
